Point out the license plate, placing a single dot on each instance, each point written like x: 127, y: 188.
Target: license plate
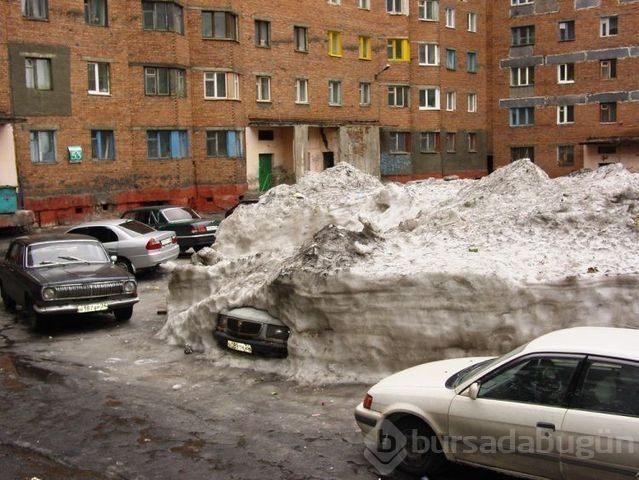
x: 240, y: 347
x: 211, y: 229
x: 166, y: 242
x: 92, y: 307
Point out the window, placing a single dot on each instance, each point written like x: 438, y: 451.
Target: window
x: 429, y: 98
x: 471, y: 62
x: 163, y: 16
x: 263, y: 85
x: 167, y: 144
x: 451, y: 59
x: 364, y: 4
x: 398, y: 96
x: 566, y: 155
x: 102, y: 145
x: 608, y: 26
x: 364, y: 93
x: 522, y: 35
x: 95, y: 12
x: 472, y: 22
x: 451, y: 101
x: 37, y: 9
x: 221, y: 85
x: 519, y: 153
x: 334, y: 92
x: 608, y: 112
x: 428, y: 54
x: 522, y: 116
x: 38, y: 73
x: 428, y: 9
x: 538, y: 380
x: 610, y: 387
x: 42, y: 146
x: 334, y: 44
x: 98, y: 78
x: 565, y: 114
x: 395, y: 6
x: 472, y: 142
x: 566, y: 73
x: 521, y: 2
x: 399, y: 142
x: 472, y: 102
x: 451, y: 139
x: 301, y: 90
x: 398, y: 49
x: 164, y: 81
x: 522, y: 76
x: 365, y: 51
x: 265, y: 135
x: 450, y: 17
x: 567, y: 31
x: 262, y: 33
x: 334, y: 2
x: 301, y: 38
x: 607, y: 149
x: 608, y: 69
x: 429, y: 142
x: 225, y: 143
x: 220, y: 25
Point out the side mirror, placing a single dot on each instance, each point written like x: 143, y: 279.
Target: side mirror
x: 473, y: 391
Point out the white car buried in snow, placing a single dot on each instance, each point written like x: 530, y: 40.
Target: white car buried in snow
x: 563, y: 406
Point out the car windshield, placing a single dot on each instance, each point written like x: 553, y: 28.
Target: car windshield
x: 179, y: 214
x: 137, y: 227
x: 56, y: 253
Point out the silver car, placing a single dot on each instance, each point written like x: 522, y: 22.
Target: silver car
x: 136, y: 245
x: 564, y: 406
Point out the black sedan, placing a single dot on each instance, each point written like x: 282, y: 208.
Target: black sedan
x: 53, y: 274
x: 192, y: 230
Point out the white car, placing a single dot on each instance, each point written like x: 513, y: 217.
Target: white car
x: 563, y: 406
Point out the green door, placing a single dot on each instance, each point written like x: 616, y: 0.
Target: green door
x: 265, y: 171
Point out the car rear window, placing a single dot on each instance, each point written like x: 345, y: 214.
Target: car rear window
x: 177, y: 214
x: 137, y: 227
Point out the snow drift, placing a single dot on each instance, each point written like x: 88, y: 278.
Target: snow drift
x: 373, y: 277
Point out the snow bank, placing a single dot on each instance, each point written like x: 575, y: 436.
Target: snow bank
x: 375, y: 277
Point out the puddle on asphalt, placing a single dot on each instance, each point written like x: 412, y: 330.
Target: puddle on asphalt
x: 14, y: 369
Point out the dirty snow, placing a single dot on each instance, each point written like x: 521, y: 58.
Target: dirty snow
x: 373, y: 277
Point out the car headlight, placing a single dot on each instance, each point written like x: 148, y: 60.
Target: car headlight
x: 130, y: 287
x: 277, y: 332
x: 48, y: 293
x: 221, y: 322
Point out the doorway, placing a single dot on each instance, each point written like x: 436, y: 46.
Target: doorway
x: 265, y: 171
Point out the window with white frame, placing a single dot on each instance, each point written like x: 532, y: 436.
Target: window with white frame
x: 36, y: 9
x: 566, y: 73
x: 396, y: 6
x: 607, y: 112
x: 565, y: 114
x: 165, y: 81
x: 364, y: 93
x: 428, y: 10
x: 301, y: 38
x: 519, y: 153
x: 429, y: 142
x: 450, y: 17
x: 608, y: 26
x: 38, y: 73
x: 451, y: 59
x: 334, y: 92
x: 334, y: 2
x: 522, y: 76
x: 221, y: 85
x: 521, y: 2
x: 451, y: 101
x: 566, y: 155
x: 472, y: 142
x: 167, y: 144
x: 398, y: 96
x: 42, y: 146
x: 471, y: 62
x: 524, y: 35
x: 428, y: 53
x: 102, y: 145
x: 608, y: 68
x: 98, y: 78
x: 522, y: 116
x: 219, y: 25
x: 301, y: 90
x: 399, y: 142
x: 567, y: 31
x: 472, y: 102
x: 263, y: 86
x: 429, y: 98
x: 95, y: 12
x: 364, y: 4
x: 163, y: 16
x: 472, y: 21
x: 225, y: 143
x: 262, y: 33
x: 451, y: 142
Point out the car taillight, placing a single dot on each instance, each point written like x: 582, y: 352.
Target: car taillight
x: 174, y: 239
x: 368, y: 401
x: 198, y: 229
x: 153, y: 244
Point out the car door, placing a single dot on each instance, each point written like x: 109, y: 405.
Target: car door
x: 602, y: 425
x: 514, y: 419
x: 14, y: 282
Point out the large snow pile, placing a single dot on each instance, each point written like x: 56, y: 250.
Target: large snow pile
x: 374, y: 277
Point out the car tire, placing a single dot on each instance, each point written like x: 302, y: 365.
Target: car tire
x: 427, y: 459
x: 34, y: 319
x: 126, y: 264
x: 123, y: 314
x: 9, y: 303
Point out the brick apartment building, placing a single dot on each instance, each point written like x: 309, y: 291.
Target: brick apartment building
x: 110, y: 104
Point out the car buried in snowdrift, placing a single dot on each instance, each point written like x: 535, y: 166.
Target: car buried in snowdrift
x: 251, y: 331
x: 563, y: 406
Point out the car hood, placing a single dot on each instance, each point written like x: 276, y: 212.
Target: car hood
x: 427, y: 375
x: 77, y: 272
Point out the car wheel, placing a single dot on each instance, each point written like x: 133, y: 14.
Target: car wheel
x: 424, y: 455
x: 34, y: 319
x: 124, y: 263
x: 123, y: 314
x: 9, y: 303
